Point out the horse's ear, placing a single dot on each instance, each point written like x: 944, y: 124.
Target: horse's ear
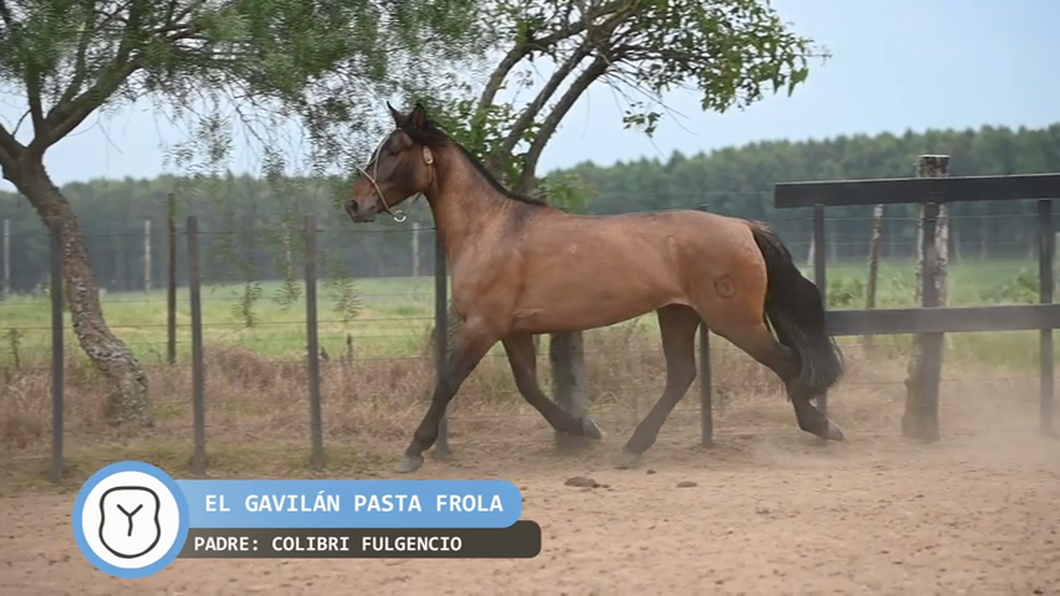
x: 396, y: 115
x: 418, y: 117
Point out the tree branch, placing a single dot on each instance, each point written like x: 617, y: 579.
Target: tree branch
x: 595, y: 37
x: 531, y: 111
x: 33, y: 85
x: 10, y: 149
x: 5, y: 14
x: 64, y: 118
x: 520, y: 51
x: 559, y: 111
x: 80, y: 69
x: 585, y: 22
x: 493, y: 85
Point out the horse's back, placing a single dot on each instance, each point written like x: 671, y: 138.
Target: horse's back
x: 669, y: 235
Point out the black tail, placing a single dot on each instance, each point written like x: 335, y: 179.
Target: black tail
x: 795, y: 308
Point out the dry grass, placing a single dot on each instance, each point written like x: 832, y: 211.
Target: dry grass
x: 258, y: 422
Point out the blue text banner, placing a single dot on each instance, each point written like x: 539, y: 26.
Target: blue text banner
x: 352, y: 503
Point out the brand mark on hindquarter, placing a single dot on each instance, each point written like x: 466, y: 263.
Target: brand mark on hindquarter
x: 725, y: 286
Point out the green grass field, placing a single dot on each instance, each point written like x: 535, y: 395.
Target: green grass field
x: 395, y: 315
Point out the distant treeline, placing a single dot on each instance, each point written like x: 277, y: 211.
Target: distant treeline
x: 252, y: 229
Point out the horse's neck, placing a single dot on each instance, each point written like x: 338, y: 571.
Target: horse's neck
x: 463, y: 204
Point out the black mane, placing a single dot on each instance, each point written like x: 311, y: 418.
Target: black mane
x: 433, y: 136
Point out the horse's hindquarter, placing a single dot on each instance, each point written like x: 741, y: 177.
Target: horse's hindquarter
x: 585, y: 272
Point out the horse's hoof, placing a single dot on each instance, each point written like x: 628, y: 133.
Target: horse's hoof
x: 833, y: 433
x: 627, y: 459
x: 410, y: 464
x: 591, y: 429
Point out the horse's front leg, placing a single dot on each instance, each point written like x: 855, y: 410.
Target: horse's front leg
x: 473, y: 342
x: 522, y: 358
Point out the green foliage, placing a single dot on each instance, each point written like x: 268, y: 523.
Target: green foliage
x: 243, y: 305
x: 566, y: 191
x: 1021, y: 289
x: 732, y: 52
x: 346, y: 298
x: 454, y: 105
x: 729, y: 51
x: 846, y: 292
x: 14, y: 337
x: 233, y: 67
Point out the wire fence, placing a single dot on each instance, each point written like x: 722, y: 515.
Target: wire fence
x: 316, y: 332
x: 128, y: 242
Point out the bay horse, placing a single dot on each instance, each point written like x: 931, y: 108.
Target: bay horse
x: 522, y: 268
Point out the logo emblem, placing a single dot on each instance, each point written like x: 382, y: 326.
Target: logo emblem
x: 130, y: 519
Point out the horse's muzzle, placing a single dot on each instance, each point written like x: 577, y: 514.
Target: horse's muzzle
x: 359, y: 215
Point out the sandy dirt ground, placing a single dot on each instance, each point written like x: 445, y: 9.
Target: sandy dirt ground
x: 768, y: 514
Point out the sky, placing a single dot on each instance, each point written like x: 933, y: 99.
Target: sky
x: 896, y: 65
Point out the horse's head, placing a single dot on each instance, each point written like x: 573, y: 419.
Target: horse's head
x: 402, y: 166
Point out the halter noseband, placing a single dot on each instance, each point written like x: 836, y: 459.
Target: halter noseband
x: 401, y: 215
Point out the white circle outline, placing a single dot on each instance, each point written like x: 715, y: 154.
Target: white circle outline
x: 89, y: 546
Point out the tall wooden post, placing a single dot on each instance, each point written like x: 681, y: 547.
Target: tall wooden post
x: 147, y: 256
x: 415, y: 261
x: 570, y: 383
x: 1046, y: 285
x: 874, y: 263
x: 921, y: 417
x: 7, y: 258
x: 171, y: 279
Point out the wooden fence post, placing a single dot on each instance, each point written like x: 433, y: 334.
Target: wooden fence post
x: 198, y: 370
x: 1046, y: 283
x: 171, y: 279
x: 874, y: 263
x: 445, y: 330
x: 820, y: 278
x: 706, y: 397
x: 415, y: 261
x: 706, y: 386
x: 570, y: 383
x: 921, y: 417
x: 7, y: 259
x: 316, y: 425
x: 147, y: 256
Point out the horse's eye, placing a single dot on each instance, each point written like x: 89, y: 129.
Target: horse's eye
x: 392, y: 152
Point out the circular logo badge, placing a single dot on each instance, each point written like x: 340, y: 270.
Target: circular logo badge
x: 130, y: 519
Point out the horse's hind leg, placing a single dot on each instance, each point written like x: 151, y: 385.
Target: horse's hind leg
x: 677, y: 325
x: 474, y: 342
x: 759, y: 343
x: 523, y: 360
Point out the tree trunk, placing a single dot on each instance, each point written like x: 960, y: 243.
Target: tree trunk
x: 570, y: 383
x: 128, y: 400
x: 920, y: 419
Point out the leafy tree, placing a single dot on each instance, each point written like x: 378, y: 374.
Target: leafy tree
x: 219, y: 65
x: 733, y: 52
